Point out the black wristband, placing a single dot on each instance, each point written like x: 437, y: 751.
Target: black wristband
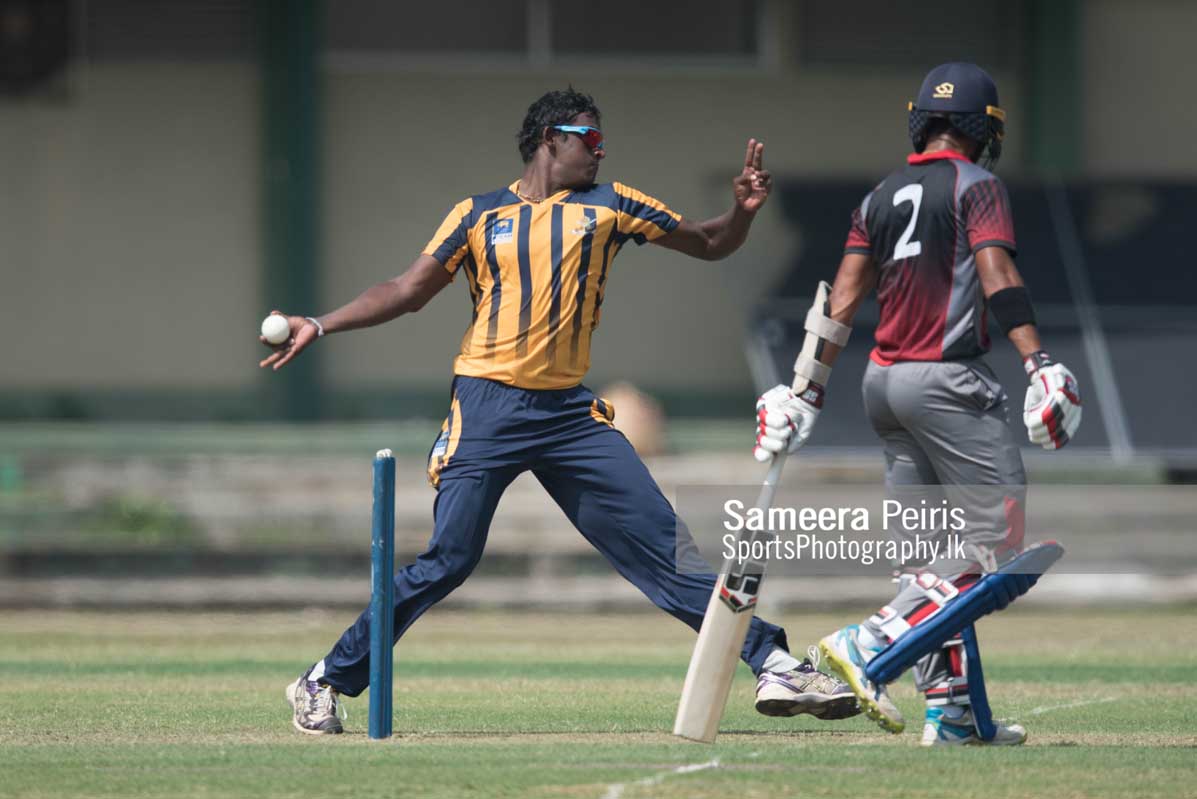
x: 1012, y: 307
x: 1036, y: 361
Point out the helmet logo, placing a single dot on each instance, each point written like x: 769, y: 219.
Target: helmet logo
x: 944, y: 91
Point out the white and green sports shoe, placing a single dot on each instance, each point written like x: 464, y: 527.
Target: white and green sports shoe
x: 952, y: 725
x: 847, y: 657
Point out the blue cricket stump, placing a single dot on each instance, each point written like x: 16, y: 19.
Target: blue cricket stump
x: 382, y: 596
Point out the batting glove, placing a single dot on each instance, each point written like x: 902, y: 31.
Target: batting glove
x: 784, y: 420
x: 1052, y: 410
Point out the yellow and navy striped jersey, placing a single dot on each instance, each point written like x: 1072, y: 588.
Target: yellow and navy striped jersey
x: 536, y: 275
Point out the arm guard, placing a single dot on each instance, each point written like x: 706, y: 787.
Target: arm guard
x: 820, y: 328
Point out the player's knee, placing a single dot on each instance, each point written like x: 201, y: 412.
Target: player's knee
x: 442, y: 570
x: 454, y: 571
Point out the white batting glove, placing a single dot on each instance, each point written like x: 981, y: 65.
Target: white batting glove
x: 784, y: 420
x: 1052, y: 410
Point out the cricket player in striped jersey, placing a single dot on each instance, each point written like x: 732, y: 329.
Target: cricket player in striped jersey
x: 536, y: 256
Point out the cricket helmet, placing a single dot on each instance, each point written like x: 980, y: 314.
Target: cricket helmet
x: 967, y: 97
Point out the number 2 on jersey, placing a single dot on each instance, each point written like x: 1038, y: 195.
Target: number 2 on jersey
x: 913, y: 194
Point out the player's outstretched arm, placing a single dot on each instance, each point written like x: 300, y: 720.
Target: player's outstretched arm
x: 1052, y: 408
x: 407, y: 293
x: 720, y: 237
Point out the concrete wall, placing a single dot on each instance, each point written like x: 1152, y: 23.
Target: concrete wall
x: 130, y: 213
x: 129, y: 224
x: 1140, y: 116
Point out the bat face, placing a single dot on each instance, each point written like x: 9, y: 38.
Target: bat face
x: 724, y: 628
x: 716, y: 654
x: 733, y: 602
x: 708, y: 681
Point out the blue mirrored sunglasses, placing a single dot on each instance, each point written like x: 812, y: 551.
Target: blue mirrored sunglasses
x: 591, y: 137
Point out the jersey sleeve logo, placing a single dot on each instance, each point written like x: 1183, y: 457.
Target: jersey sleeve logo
x: 944, y: 91
x: 502, y: 231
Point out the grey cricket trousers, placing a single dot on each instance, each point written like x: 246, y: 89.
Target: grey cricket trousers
x: 945, y: 432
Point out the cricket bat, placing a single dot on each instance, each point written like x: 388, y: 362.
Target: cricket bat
x: 733, y: 602
x: 724, y: 627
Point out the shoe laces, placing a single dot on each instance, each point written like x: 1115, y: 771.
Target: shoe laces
x: 323, y: 702
x: 808, y: 672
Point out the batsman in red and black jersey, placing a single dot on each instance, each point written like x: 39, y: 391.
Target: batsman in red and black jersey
x: 923, y: 227
x: 936, y: 240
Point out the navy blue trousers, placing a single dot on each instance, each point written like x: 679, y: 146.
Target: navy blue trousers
x: 493, y: 433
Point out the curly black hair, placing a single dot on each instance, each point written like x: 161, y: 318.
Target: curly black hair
x: 553, y: 108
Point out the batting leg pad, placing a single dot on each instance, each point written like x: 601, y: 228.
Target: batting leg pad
x: 991, y: 593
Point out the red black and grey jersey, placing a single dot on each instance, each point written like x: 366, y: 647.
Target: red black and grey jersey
x: 923, y: 226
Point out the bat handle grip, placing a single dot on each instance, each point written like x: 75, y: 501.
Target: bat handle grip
x: 769, y: 487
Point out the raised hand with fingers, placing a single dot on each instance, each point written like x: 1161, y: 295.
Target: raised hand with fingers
x: 303, y: 332
x: 753, y: 184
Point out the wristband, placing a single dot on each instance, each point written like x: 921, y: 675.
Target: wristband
x: 813, y: 395
x: 1012, y: 307
x: 319, y: 327
x: 1036, y: 361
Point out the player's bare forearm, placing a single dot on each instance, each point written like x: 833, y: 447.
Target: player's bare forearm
x: 720, y: 237
x: 996, y: 271
x: 854, y: 280
x: 390, y: 299
x: 377, y: 304
x: 712, y: 239
x: 727, y: 233
x: 1025, y: 339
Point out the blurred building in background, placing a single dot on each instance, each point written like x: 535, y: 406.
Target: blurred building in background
x: 174, y: 170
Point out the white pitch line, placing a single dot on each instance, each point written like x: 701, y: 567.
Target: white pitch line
x: 1049, y: 708
x: 615, y: 791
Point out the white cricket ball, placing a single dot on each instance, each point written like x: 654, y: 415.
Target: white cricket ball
x: 276, y: 329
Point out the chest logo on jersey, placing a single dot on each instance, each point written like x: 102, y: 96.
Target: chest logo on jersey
x: 587, y: 227
x: 502, y: 231
x: 944, y: 91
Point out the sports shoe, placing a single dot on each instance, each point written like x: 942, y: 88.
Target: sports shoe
x: 315, y: 705
x: 953, y: 726
x: 804, y: 690
x: 847, y: 658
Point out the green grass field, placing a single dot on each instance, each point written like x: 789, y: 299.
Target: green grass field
x: 495, y: 705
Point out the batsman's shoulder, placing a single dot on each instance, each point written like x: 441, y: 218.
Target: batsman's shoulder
x: 972, y: 173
